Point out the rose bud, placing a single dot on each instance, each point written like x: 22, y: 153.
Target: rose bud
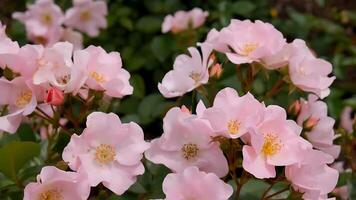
x: 310, y: 123
x: 294, y: 108
x: 216, y: 70
x: 54, y: 97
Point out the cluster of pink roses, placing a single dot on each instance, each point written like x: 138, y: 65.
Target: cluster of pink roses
x: 40, y: 76
x: 246, y: 42
x: 44, y: 19
x: 269, y: 140
x: 304, y: 148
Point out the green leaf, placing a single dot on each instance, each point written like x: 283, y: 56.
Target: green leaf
x: 162, y: 47
x: 25, y: 132
x: 149, y: 24
x: 253, y: 189
x: 139, y: 85
x: 15, y: 155
x: 147, y: 107
x: 244, y: 8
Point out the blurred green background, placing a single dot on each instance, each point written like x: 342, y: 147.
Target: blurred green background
x: 134, y: 29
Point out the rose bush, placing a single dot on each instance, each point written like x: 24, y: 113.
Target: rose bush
x: 166, y: 100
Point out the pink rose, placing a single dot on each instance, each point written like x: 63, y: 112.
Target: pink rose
x: 108, y: 151
x: 321, y: 134
x: 194, y: 184
x: 43, y: 22
x: 248, y: 41
x: 188, y: 73
x: 313, y: 176
x: 74, y: 37
x: 21, y: 97
x: 104, y: 71
x: 231, y: 115
x: 186, y: 141
x: 346, y: 120
x: 308, y: 73
x: 183, y: 20
x: 53, y: 183
x: 87, y: 16
x: 274, y: 142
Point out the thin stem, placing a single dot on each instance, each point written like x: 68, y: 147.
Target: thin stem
x: 242, y: 181
x: 266, y: 192
x: 275, y: 89
x: 277, y: 193
x: 46, y: 117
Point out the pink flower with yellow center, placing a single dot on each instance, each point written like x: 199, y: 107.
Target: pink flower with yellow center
x: 186, y: 141
x: 274, y: 142
x: 108, y: 151
x: 55, y: 184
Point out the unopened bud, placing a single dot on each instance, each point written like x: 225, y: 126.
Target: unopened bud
x: 310, y: 123
x: 54, y: 96
x: 216, y: 70
x: 184, y: 109
x: 294, y: 108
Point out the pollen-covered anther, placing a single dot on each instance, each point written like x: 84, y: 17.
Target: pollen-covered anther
x: 97, y: 77
x: 190, y: 151
x: 272, y: 145
x: 105, y: 154
x: 233, y: 126
x: 23, y: 99
x: 249, y: 48
x: 52, y: 194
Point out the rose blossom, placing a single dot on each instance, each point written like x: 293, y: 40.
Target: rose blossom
x: 321, y: 134
x: 7, y: 46
x: 104, y: 71
x: 21, y: 97
x: 55, y: 68
x: 108, y: 151
x: 186, y: 141
x: 232, y: 115
x: 56, y: 184
x: 188, y: 72
x: 309, y: 73
x: 248, y: 40
x: 87, y: 16
x: 274, y: 142
x: 183, y: 20
x: 312, y: 176
x: 194, y: 184
x: 43, y: 22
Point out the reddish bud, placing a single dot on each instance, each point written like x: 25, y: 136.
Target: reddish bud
x: 184, y: 109
x: 216, y: 70
x: 310, y: 123
x: 54, y: 97
x: 294, y: 108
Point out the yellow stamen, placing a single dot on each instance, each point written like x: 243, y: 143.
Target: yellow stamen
x: 46, y: 19
x: 53, y: 194
x: 97, y: 77
x: 23, y: 99
x: 105, y: 154
x: 190, y: 151
x: 233, y: 126
x: 249, y: 48
x: 85, y: 15
x: 272, y: 145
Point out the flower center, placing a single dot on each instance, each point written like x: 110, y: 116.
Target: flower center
x: 85, y: 15
x: 249, y: 48
x: 53, y: 194
x: 105, y: 154
x: 272, y: 145
x: 63, y: 79
x: 301, y: 71
x: 233, y: 126
x: 190, y: 151
x: 97, y: 77
x: 23, y: 99
x: 195, y: 76
x: 46, y: 19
